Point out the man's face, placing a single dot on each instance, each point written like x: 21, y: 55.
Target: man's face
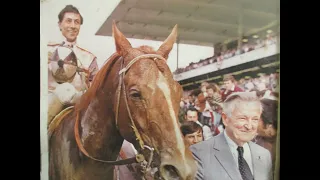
x: 210, y: 92
x: 70, y: 26
x: 228, y: 85
x: 266, y: 130
x: 204, y: 88
x: 192, y: 116
x: 242, y: 125
x: 193, y: 138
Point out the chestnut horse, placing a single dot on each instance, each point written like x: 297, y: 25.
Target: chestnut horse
x: 132, y: 97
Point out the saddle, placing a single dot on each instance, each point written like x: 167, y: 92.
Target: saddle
x: 57, y: 120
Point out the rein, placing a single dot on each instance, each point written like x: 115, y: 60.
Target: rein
x: 139, y: 158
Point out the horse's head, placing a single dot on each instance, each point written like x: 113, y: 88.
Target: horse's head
x: 149, y: 114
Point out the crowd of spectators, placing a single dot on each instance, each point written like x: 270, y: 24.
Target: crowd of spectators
x: 246, y: 47
x: 205, y: 104
x: 262, y: 83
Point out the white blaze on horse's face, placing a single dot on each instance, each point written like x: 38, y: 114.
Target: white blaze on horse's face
x: 176, y: 162
x: 162, y: 84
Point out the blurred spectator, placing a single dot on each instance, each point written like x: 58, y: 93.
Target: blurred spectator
x: 263, y: 83
x: 215, y: 102
x: 192, y: 115
x: 229, y: 83
x: 191, y: 100
x: 241, y: 83
x: 267, y: 128
x: 192, y: 132
x: 248, y: 85
x: 204, y: 107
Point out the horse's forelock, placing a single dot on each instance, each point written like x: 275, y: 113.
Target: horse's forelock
x: 103, y: 73
x: 149, y: 50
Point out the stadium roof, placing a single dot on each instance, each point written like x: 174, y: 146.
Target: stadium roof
x: 201, y: 22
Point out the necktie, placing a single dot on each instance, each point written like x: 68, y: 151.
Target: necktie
x: 243, y: 166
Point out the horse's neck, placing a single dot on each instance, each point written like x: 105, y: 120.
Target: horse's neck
x: 100, y: 137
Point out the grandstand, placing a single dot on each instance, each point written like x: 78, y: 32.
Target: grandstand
x: 262, y: 58
x: 244, y: 34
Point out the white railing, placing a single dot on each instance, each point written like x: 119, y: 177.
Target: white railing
x: 233, y: 61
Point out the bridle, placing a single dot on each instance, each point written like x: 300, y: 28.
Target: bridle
x: 139, y: 158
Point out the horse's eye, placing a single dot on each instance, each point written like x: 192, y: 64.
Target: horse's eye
x: 135, y: 94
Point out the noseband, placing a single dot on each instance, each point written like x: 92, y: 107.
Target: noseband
x: 139, y: 158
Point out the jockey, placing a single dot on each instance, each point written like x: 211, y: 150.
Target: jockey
x: 70, y: 67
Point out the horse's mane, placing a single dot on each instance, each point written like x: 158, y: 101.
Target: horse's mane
x: 103, y: 73
x: 96, y: 83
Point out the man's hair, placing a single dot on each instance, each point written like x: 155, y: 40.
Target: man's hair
x: 192, y: 109
x: 235, y: 98
x: 270, y: 112
x: 189, y: 127
x: 205, y: 83
x: 228, y: 77
x: 195, y: 92
x: 214, y: 87
x: 69, y: 9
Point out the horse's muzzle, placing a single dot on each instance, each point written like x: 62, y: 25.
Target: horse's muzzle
x: 176, y: 168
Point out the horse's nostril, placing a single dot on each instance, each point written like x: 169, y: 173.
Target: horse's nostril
x: 170, y: 172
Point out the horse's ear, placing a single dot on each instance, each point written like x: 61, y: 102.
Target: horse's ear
x: 167, y: 45
x: 122, y: 43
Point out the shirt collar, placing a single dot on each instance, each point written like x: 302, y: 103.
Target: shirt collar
x: 230, y: 142
x: 69, y: 44
x: 199, y: 123
x: 233, y: 86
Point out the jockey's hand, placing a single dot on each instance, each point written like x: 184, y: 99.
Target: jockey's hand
x: 65, y: 92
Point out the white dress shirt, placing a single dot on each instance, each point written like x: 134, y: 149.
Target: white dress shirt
x: 246, y: 151
x: 64, y: 52
x: 207, y: 134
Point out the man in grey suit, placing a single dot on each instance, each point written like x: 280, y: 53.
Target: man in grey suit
x: 231, y: 155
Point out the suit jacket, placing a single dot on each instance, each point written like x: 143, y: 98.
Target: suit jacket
x: 215, y: 161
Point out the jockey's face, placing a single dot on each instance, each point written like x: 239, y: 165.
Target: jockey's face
x: 70, y: 26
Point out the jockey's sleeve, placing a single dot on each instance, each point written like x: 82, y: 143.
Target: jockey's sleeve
x: 93, y: 69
